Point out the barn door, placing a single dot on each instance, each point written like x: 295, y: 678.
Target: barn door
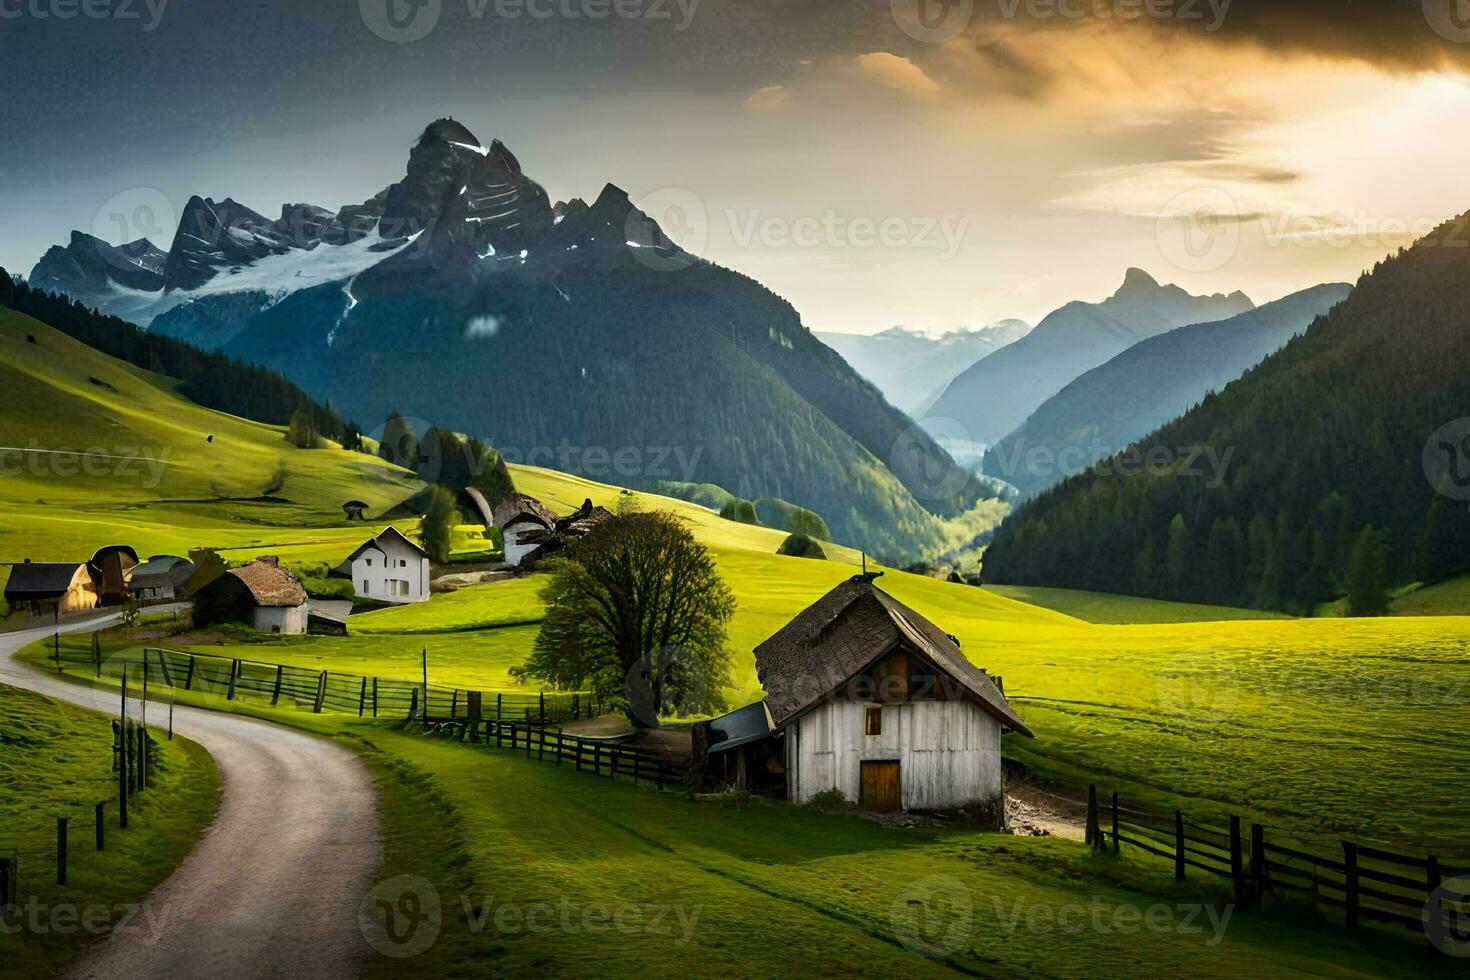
x: 880, y: 792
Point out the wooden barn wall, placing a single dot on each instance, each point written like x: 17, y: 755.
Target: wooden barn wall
x: 948, y: 752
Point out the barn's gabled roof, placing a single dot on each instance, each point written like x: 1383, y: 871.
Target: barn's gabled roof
x: 838, y: 636
x: 740, y: 727
x: 270, y: 584
x: 389, y: 533
x: 519, y: 508
x: 162, y: 570
x: 31, y: 581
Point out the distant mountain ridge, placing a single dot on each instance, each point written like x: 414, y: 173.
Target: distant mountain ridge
x: 994, y: 397
x: 911, y: 367
x: 1348, y: 453
x: 1156, y: 380
x: 575, y: 334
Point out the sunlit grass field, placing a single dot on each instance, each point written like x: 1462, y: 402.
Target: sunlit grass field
x: 56, y: 760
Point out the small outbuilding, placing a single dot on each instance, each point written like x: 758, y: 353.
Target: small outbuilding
x: 878, y: 703
x: 162, y: 578
x: 353, y: 510
x: 112, y: 572
x: 262, y: 594
x: 524, y: 524
x: 388, y: 567
x: 52, y: 589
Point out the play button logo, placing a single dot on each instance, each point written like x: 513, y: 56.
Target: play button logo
x: 1450, y: 19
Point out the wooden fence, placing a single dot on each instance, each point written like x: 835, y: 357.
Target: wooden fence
x: 1365, y: 883
x: 597, y: 756
x: 321, y: 690
x: 134, y: 752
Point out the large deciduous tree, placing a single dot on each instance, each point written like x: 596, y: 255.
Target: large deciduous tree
x: 636, y: 612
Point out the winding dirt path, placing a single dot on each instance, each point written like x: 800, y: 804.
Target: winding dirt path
x: 273, y: 887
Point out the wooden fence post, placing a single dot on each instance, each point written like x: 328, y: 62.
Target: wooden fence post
x: 1237, y: 862
x: 101, y: 831
x: 543, y: 707
x: 1178, y: 845
x: 122, y: 755
x: 375, y: 697
x: 597, y: 758
x: 413, y: 703
x: 362, y: 698
x: 499, y: 707
x: 1350, y: 873
x: 5, y: 882
x: 454, y: 704
x: 234, y: 670
x: 163, y: 669
x: 61, y: 850
x: 1092, y: 827
x: 1115, y: 821
x: 321, y: 692
x: 97, y: 651
x: 142, y: 757
x: 56, y: 652
x: 1260, y: 879
x: 189, y: 675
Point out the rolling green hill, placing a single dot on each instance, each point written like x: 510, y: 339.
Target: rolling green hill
x: 97, y: 451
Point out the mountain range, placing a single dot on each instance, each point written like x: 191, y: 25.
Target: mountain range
x: 911, y: 367
x: 1112, y: 406
x: 992, y: 398
x: 577, y: 335
x: 1339, y: 466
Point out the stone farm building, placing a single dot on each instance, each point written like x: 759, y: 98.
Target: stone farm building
x: 388, y: 567
x: 522, y: 519
x: 262, y: 594
x: 877, y: 702
x: 162, y: 578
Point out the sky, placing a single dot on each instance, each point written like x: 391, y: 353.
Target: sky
x: 937, y: 164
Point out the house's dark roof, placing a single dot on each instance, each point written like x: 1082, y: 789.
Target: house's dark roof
x: 40, y: 580
x: 120, y: 549
x: 741, y: 726
x: 583, y: 520
x: 269, y: 583
x: 388, y: 532
x: 513, y: 510
x: 846, y: 630
x: 162, y: 570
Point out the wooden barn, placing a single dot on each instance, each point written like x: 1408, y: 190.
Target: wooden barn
x: 53, y: 589
x: 877, y: 702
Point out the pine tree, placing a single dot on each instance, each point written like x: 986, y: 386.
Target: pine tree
x: 1367, y: 575
x: 440, y: 519
x: 1179, y: 557
x: 399, y: 445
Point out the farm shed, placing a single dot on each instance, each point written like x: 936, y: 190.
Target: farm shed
x: 162, y: 578
x: 262, y: 594
x: 521, y: 518
x: 51, y: 588
x: 877, y: 702
x: 112, y: 571
x: 388, y: 567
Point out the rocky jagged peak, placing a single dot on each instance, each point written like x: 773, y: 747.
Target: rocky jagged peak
x: 1136, y: 281
x: 446, y: 130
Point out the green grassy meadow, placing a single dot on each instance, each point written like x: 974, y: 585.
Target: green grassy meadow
x: 56, y: 760
x: 1123, y: 610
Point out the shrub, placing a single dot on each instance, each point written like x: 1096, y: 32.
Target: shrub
x: 800, y: 546
x: 741, y: 511
x: 828, y: 801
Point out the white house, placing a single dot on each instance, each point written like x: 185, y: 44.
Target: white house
x: 388, y: 567
x: 525, y: 524
x: 875, y: 701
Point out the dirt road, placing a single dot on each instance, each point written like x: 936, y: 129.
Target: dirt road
x: 273, y: 888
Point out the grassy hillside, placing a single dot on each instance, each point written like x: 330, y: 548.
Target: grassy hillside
x: 56, y: 760
x: 1107, y: 608
x: 154, y: 478
x: 1448, y: 598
